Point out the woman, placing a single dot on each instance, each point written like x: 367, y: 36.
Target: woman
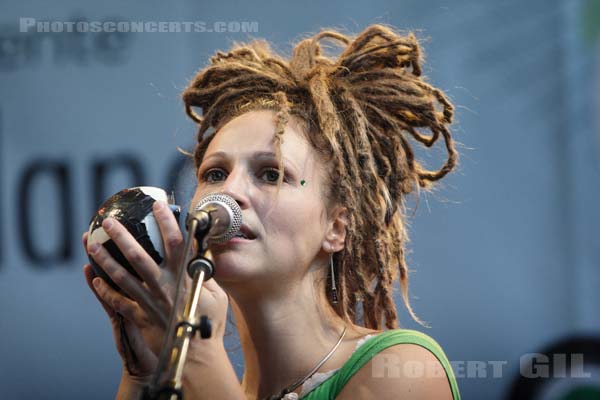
x: 317, y: 152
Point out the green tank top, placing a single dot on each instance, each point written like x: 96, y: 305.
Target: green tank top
x: 333, y: 385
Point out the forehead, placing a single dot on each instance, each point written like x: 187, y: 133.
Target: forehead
x: 254, y: 131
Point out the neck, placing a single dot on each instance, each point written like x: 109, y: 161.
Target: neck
x: 284, y: 333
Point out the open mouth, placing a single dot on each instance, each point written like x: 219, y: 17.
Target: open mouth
x: 241, y: 235
x: 245, y: 233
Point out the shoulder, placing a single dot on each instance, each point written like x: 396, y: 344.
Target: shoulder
x: 401, y: 364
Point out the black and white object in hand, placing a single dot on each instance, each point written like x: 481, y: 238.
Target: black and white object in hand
x: 132, y: 208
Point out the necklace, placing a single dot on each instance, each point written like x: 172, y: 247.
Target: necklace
x: 294, y: 385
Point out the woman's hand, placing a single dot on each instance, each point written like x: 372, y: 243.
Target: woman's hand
x: 140, y: 321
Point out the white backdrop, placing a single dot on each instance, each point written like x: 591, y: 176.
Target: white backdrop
x: 505, y: 253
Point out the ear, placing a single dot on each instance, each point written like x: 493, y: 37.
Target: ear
x: 336, y: 230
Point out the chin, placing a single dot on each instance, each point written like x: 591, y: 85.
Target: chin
x: 231, y: 267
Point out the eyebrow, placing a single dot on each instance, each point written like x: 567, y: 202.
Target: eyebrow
x: 259, y: 154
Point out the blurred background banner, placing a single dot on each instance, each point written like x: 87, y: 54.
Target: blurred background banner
x: 505, y: 255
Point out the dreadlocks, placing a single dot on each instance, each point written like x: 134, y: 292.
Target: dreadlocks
x: 362, y: 113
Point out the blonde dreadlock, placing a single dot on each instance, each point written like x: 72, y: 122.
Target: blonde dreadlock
x: 359, y: 112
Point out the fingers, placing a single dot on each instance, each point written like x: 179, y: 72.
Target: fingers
x: 119, y: 275
x: 219, y: 304
x: 141, y: 261
x: 84, y: 239
x: 170, y: 232
x: 123, y: 279
x: 89, y: 277
x: 139, y: 347
x: 122, y: 312
x: 112, y: 301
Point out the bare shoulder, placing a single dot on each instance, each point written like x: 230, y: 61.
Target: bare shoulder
x: 406, y: 371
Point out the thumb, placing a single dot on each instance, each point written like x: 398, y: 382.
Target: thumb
x: 214, y: 288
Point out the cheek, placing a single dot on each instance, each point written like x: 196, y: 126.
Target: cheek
x: 198, y: 194
x: 298, y: 220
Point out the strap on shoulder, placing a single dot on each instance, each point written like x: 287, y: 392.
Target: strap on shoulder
x: 379, y: 343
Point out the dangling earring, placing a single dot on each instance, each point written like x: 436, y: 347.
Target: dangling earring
x: 334, y: 296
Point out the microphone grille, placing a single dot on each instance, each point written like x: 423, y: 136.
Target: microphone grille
x: 231, y: 207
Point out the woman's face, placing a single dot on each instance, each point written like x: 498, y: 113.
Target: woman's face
x: 289, y: 228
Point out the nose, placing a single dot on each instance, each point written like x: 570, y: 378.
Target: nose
x: 236, y: 186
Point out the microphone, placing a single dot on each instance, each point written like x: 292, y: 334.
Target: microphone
x: 221, y: 214
x: 216, y: 217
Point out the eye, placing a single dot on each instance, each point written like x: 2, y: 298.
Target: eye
x: 214, y: 175
x: 271, y: 175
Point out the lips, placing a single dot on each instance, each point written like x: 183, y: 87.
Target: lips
x: 247, y: 232
x: 243, y: 235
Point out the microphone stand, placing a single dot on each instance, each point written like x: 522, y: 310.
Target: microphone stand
x: 179, y: 334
